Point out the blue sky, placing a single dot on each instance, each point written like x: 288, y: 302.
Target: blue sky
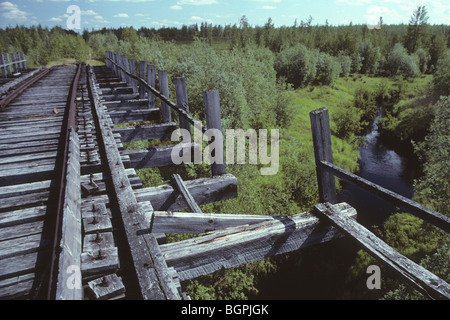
x: 175, y: 13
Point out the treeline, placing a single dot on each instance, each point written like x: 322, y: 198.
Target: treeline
x: 42, y: 45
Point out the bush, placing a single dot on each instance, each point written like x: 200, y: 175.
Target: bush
x: 328, y: 69
x: 297, y: 64
x: 400, y: 62
x: 348, y: 122
x: 346, y: 64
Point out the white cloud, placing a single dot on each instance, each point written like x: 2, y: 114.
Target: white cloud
x: 88, y: 12
x: 268, y: 7
x: 197, y: 2
x: 196, y: 18
x: 11, y: 11
x: 176, y: 7
x: 121, y: 15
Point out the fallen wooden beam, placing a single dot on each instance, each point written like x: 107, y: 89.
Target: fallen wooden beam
x: 181, y: 186
x: 240, y: 245
x: 194, y: 223
x: 420, y: 278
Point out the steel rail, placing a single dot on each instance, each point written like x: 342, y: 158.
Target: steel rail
x: 22, y: 87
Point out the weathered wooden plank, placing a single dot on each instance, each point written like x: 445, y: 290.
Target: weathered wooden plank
x: 321, y: 133
x: 126, y: 105
x: 98, y: 241
x: 419, y: 210
x: 22, y: 216
x: 181, y: 186
x: 71, y: 240
x: 194, y: 223
x: 134, y: 115
x: 99, y: 262
x: 21, y: 230
x: 166, y: 115
x: 16, y: 287
x: 239, y: 245
x: 420, y: 278
x: 146, y: 132
x: 167, y: 198
x: 157, y: 156
x: 150, y: 267
x: 19, y: 265
x: 20, y: 246
x: 213, y: 121
x: 106, y: 287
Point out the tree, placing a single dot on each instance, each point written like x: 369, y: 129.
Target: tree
x: 417, y: 25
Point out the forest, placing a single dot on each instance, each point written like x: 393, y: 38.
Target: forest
x: 271, y: 78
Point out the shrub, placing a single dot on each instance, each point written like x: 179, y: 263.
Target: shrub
x: 297, y: 64
x: 400, y: 62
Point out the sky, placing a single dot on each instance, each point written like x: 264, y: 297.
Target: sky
x: 97, y: 14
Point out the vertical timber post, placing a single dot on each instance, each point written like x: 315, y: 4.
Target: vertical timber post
x: 133, y: 81
x: 8, y: 66
x: 2, y: 67
x: 182, y: 102
x: 164, y: 89
x: 151, y: 80
x: 213, y: 121
x: 142, y: 75
x: 24, y: 63
x: 320, y: 127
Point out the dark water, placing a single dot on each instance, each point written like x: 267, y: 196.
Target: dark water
x: 384, y: 167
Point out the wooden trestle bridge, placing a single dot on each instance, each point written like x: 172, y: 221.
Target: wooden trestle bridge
x: 77, y: 223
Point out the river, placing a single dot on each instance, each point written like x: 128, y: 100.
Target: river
x: 384, y: 167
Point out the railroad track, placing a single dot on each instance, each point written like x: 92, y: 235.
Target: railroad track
x: 73, y: 212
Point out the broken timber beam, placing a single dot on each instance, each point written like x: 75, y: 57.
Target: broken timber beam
x: 181, y: 186
x: 420, y: 278
x: 240, y: 245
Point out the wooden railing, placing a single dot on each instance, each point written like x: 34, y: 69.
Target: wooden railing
x: 15, y: 60
x: 125, y: 68
x: 418, y: 277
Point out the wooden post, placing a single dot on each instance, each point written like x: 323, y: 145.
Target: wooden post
x: 6, y: 61
x: 2, y: 67
x: 182, y: 102
x: 151, y: 80
x: 24, y: 63
x: 320, y: 127
x: 213, y: 121
x: 142, y: 75
x: 164, y: 89
x: 133, y: 81
x: 14, y: 61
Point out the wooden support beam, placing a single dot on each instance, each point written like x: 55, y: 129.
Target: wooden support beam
x: 182, y: 103
x: 420, y: 278
x: 167, y: 198
x: 156, y: 156
x: 70, y: 243
x: 195, y: 223
x: 151, y: 80
x: 213, y: 121
x: 429, y: 215
x: 146, y: 132
x: 164, y: 89
x: 321, y: 133
x: 181, y: 186
x: 240, y: 245
x: 153, y: 278
x: 134, y: 115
